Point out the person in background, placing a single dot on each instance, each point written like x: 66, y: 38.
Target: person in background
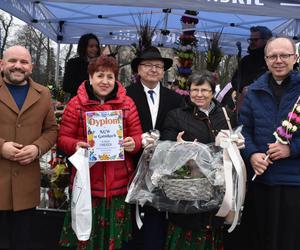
x: 76, y: 68
x: 28, y: 129
x: 277, y: 185
x: 153, y: 102
x: 111, y: 215
x: 200, y: 119
x: 253, y: 65
x: 250, y: 67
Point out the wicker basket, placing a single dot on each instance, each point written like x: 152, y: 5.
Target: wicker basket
x: 187, y: 189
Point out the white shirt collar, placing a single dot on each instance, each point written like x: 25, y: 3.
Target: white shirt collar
x: 153, y: 106
x: 156, y: 89
x: 210, y: 108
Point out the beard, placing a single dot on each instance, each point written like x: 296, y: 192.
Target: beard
x: 16, y: 79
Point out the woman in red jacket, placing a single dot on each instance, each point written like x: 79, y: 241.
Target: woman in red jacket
x: 111, y: 215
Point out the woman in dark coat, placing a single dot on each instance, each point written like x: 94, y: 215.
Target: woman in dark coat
x: 201, y: 118
x: 76, y: 68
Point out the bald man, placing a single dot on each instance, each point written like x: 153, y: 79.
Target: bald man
x: 273, y: 196
x: 28, y: 129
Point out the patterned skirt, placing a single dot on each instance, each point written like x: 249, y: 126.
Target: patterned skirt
x: 111, y: 225
x: 183, y: 239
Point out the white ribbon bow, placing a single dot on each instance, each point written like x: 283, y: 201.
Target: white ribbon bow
x: 234, y: 197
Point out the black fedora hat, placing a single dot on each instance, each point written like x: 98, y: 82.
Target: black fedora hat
x: 151, y: 53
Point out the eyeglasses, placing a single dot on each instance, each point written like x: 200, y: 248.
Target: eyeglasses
x: 283, y: 57
x: 150, y: 66
x: 202, y: 91
x: 253, y: 39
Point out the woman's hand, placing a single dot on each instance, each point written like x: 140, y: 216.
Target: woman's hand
x: 179, y: 137
x: 129, y: 144
x: 82, y: 144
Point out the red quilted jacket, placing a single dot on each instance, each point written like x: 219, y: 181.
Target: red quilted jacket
x: 107, y: 178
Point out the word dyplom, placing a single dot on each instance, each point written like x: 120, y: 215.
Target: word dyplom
x: 103, y: 121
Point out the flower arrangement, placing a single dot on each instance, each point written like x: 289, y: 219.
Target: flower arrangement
x: 57, y: 92
x: 289, y: 126
x: 54, y: 181
x: 186, y: 49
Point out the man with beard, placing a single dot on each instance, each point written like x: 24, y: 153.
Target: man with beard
x: 253, y: 65
x: 28, y: 129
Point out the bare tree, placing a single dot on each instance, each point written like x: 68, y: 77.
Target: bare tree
x: 226, y: 69
x: 66, y: 52
x: 40, y: 50
x: 50, y: 64
x: 69, y: 53
x: 6, y: 24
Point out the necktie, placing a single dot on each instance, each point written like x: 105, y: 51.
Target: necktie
x: 151, y: 92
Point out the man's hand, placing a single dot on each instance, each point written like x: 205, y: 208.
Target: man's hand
x: 278, y: 151
x: 27, y: 154
x: 259, y: 164
x: 10, y: 149
x: 129, y: 144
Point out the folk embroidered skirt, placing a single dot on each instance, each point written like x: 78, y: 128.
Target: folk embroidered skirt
x: 208, y: 238
x: 111, y: 225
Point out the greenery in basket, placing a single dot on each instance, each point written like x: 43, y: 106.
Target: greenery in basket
x: 183, y: 172
x: 189, y: 170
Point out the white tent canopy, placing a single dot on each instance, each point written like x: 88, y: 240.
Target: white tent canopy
x: 114, y: 21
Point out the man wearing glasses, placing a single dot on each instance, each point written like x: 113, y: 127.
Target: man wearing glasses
x: 276, y: 188
x: 153, y: 102
x: 252, y: 65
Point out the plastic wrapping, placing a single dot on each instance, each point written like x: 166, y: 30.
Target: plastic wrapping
x: 185, y: 177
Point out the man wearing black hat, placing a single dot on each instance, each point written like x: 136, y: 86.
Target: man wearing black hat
x: 153, y: 102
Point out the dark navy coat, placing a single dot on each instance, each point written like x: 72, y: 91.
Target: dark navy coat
x: 260, y: 117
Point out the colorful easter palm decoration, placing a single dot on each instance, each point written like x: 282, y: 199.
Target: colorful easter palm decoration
x: 186, y: 48
x: 289, y: 126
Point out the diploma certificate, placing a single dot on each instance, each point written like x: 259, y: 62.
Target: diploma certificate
x: 105, y: 135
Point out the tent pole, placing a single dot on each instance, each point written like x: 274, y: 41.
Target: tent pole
x: 163, y: 34
x: 57, y: 63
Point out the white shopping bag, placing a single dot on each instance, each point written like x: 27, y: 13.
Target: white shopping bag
x: 81, y: 203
